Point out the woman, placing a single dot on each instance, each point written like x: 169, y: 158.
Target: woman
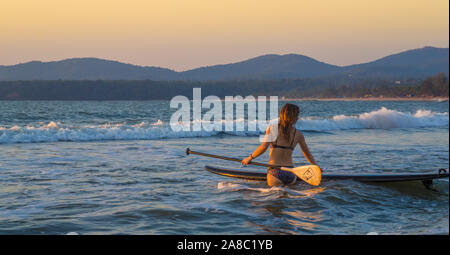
x: 287, y: 138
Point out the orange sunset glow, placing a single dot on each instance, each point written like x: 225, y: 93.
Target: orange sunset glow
x: 182, y: 35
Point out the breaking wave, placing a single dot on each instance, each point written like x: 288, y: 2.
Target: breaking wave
x: 380, y: 119
x: 55, y: 131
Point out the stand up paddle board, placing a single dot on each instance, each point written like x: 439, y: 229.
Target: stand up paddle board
x: 426, y: 178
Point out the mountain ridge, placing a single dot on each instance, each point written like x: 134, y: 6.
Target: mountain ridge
x: 414, y: 63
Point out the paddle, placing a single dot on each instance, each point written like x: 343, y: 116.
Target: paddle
x: 310, y: 174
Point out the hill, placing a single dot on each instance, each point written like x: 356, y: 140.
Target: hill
x: 417, y: 63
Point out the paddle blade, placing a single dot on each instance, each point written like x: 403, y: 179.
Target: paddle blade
x: 311, y: 174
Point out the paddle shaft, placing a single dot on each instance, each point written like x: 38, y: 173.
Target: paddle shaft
x: 188, y: 151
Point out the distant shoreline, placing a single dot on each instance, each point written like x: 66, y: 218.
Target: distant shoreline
x: 439, y: 99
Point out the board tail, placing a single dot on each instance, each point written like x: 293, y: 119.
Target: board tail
x: 311, y: 174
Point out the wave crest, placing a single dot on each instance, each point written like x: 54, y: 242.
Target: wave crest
x: 380, y: 119
x: 55, y: 131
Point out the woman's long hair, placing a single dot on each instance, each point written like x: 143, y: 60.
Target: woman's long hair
x: 288, y: 115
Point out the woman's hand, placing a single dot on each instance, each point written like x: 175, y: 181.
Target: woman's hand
x: 246, y: 161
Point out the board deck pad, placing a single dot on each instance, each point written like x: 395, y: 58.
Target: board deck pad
x: 261, y: 175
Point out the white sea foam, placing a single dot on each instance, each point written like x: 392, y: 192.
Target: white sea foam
x: 230, y: 186
x: 56, y: 131
x: 380, y: 119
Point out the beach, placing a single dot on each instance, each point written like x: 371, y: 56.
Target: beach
x: 438, y: 99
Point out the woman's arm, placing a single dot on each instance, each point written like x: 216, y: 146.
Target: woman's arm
x: 306, y: 151
x: 259, y: 151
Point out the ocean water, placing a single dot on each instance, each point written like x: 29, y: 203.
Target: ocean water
x: 118, y: 168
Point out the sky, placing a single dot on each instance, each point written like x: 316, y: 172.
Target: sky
x: 186, y: 34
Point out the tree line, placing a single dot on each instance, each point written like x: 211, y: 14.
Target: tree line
x: 436, y: 86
